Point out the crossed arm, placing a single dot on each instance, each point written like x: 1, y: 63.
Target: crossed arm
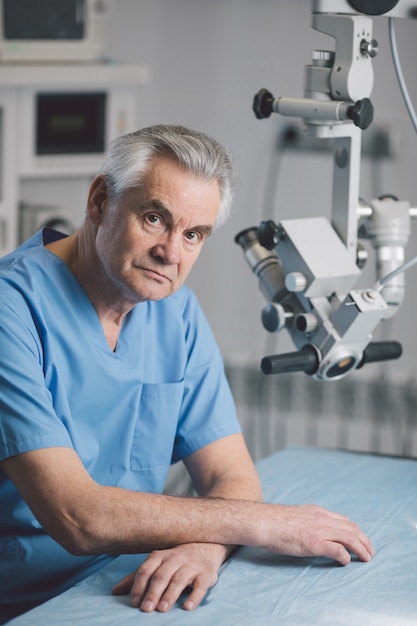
x: 188, y: 538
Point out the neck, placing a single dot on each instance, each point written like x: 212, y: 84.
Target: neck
x: 78, y: 253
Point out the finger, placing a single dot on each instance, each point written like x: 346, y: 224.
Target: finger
x: 199, y: 584
x: 144, y: 576
x: 350, y: 541
x: 351, y: 537
x: 361, y: 545
x: 368, y: 545
x: 123, y: 586
x: 196, y: 596
x: 356, y: 541
x: 335, y: 551
x: 164, y: 590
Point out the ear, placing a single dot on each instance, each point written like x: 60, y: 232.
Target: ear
x: 97, y: 197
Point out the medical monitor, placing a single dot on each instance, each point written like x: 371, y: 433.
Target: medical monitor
x: 33, y: 31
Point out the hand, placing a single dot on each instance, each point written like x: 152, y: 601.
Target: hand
x: 310, y: 530
x: 165, y: 574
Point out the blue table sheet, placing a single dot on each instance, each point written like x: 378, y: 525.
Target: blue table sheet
x: 257, y: 587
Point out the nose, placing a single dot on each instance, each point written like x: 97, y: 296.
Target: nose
x: 168, y: 249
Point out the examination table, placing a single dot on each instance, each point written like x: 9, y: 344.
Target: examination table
x: 256, y: 587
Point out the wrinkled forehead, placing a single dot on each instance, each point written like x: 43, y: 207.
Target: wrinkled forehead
x: 168, y: 188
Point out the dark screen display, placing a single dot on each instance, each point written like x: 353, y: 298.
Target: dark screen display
x: 43, y: 19
x: 70, y: 123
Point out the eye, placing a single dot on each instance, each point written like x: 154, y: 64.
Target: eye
x: 193, y: 236
x: 153, y: 219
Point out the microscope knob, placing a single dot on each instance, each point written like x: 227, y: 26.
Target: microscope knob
x: 295, y: 281
x: 362, y: 113
x: 322, y: 58
x: 275, y: 317
x: 369, y: 48
x: 306, y: 322
x: 262, y: 104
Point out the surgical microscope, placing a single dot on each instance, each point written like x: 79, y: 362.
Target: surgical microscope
x: 307, y: 268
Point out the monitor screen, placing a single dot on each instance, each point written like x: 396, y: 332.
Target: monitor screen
x: 70, y: 123
x: 43, y: 19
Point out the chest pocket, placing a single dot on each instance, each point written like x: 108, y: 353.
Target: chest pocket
x: 156, y: 426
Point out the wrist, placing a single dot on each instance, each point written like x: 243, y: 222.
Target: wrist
x: 219, y: 552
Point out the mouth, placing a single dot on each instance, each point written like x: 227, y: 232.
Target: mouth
x: 155, y: 275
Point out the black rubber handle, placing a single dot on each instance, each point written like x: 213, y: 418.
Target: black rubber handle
x: 305, y: 360
x: 381, y: 351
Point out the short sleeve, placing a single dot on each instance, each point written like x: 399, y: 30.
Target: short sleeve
x: 27, y: 416
x: 208, y: 411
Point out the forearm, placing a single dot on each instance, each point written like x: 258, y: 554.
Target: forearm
x: 143, y: 522
x: 87, y: 518
x: 116, y: 521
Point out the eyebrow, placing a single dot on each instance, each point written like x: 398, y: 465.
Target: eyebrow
x: 167, y: 215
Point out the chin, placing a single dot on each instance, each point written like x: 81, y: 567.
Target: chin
x: 152, y: 295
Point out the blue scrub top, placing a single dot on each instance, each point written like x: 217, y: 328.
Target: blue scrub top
x: 128, y: 414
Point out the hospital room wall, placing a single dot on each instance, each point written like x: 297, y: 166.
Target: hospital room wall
x: 207, y: 58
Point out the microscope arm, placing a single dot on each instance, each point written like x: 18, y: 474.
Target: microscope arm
x: 360, y: 113
x: 307, y: 268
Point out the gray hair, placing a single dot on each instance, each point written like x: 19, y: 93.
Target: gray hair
x: 128, y: 158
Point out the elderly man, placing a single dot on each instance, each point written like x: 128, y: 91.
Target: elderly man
x: 109, y: 373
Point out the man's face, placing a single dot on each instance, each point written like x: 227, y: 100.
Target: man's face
x: 148, y: 241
